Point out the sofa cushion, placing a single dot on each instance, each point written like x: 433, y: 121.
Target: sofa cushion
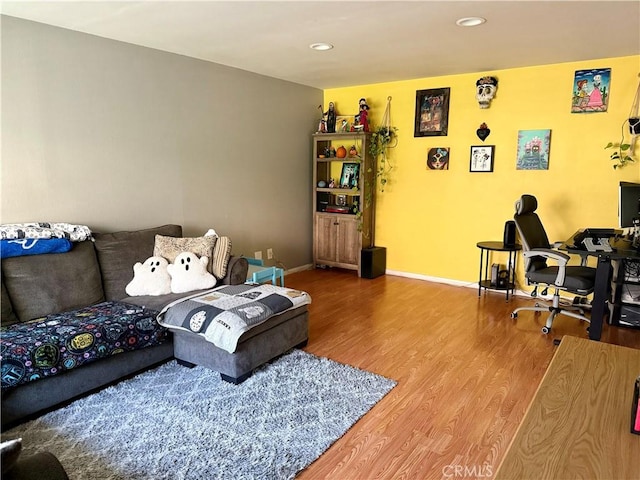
x: 171, y: 247
x: 8, y: 315
x: 118, y: 252
x: 43, y: 284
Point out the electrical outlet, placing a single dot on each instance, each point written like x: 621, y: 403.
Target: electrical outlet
x: 269, y: 253
x: 257, y: 255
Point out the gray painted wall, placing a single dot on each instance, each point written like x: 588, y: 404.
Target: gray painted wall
x: 118, y: 137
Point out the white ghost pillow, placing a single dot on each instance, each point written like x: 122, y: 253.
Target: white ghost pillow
x: 150, y: 278
x: 188, y: 272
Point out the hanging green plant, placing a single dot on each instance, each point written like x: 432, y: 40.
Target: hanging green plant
x: 382, y: 139
x: 622, y: 152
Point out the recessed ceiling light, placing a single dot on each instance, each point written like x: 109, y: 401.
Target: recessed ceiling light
x: 321, y: 46
x: 470, y: 21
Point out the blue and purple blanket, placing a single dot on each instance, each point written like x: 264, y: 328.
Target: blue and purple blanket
x: 49, y: 345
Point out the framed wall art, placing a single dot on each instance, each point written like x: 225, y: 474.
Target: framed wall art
x: 432, y: 112
x: 534, y: 147
x: 343, y: 123
x: 438, y: 158
x: 350, y: 175
x: 481, y: 158
x: 591, y: 90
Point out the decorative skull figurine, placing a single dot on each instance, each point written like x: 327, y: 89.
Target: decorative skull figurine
x: 485, y: 90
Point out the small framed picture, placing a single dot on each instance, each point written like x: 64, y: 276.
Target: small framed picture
x: 534, y: 147
x: 438, y: 158
x: 343, y: 123
x: 432, y: 112
x: 481, y: 159
x: 350, y: 175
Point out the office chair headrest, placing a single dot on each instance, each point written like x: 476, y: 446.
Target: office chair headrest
x: 526, y: 204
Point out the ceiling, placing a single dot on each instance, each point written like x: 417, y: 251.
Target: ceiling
x: 375, y: 41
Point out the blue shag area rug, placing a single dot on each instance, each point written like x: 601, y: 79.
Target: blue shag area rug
x: 179, y: 423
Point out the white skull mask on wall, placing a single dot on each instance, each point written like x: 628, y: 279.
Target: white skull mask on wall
x: 485, y: 90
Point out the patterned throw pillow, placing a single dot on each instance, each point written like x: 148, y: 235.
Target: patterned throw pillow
x: 221, y: 255
x: 171, y: 247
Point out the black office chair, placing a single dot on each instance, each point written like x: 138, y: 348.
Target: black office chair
x: 537, y: 251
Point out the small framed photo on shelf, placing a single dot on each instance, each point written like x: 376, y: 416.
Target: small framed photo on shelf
x: 482, y: 158
x: 343, y: 123
x: 350, y: 175
x: 432, y: 112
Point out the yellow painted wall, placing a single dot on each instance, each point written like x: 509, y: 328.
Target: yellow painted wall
x: 430, y: 221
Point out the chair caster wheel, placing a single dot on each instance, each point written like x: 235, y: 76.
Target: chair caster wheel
x: 514, y: 315
x: 545, y: 329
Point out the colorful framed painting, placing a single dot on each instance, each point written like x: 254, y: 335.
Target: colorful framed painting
x: 350, y: 175
x: 432, y: 112
x: 481, y: 159
x: 591, y: 90
x: 438, y: 158
x: 343, y: 123
x: 533, y: 149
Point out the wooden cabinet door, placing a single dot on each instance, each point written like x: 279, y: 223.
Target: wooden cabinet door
x: 348, y: 241
x: 325, y: 241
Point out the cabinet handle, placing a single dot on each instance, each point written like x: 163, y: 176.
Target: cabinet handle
x: 336, y: 223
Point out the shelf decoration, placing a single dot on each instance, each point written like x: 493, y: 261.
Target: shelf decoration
x: 361, y: 120
x: 350, y: 175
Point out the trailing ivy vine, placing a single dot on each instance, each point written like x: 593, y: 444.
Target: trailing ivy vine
x: 382, y: 139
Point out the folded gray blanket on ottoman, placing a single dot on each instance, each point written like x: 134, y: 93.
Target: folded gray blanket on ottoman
x: 223, y: 314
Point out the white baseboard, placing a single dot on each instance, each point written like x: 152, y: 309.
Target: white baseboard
x: 301, y: 268
x: 457, y: 283
x: 429, y: 278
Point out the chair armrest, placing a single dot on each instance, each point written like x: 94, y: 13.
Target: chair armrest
x: 561, y: 258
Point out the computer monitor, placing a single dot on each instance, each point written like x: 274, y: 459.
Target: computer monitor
x: 628, y: 203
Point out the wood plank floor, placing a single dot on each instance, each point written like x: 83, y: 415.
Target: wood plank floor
x: 466, y: 372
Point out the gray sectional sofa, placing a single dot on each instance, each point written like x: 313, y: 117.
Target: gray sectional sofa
x: 91, y: 273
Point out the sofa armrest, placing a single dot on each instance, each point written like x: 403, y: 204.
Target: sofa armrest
x: 237, y: 270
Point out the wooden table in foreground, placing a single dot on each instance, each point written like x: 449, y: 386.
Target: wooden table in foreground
x: 578, y: 423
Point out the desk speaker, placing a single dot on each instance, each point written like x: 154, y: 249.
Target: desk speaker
x: 509, y: 238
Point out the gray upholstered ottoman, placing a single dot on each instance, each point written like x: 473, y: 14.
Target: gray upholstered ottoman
x: 255, y: 347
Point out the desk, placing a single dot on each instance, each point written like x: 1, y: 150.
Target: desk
x: 578, y: 423
x: 484, y: 281
x: 622, y: 250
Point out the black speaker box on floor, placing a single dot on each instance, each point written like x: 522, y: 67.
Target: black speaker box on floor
x: 373, y: 261
x: 509, y: 239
